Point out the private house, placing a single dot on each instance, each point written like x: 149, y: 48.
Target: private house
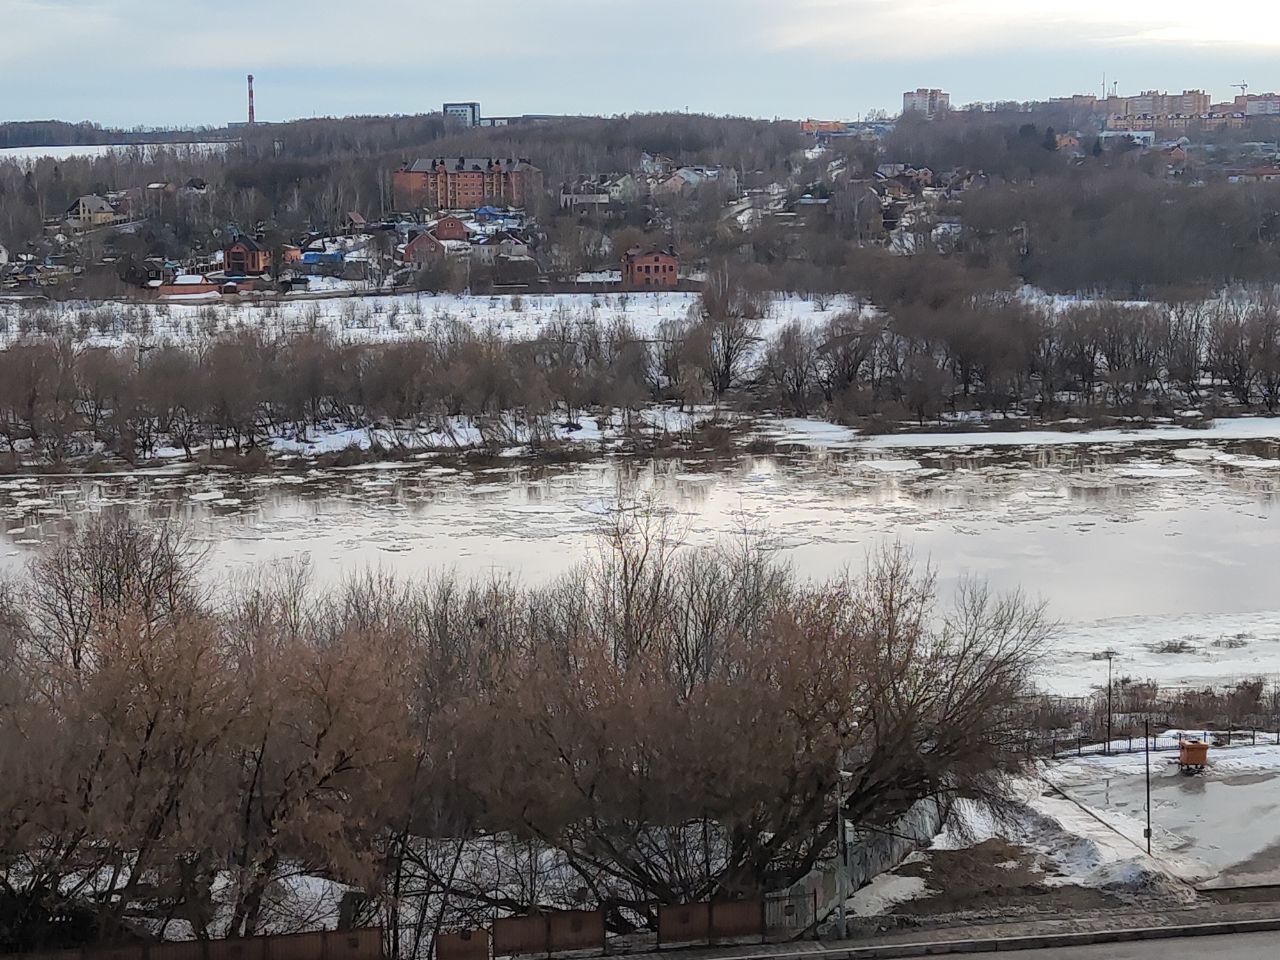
x: 428, y: 247
x: 90, y: 211
x: 656, y: 165
x: 649, y: 267
x: 586, y: 194
x: 625, y: 189
x: 691, y: 178
x: 1268, y: 174
x: 596, y: 195
x: 246, y: 257
x: 450, y: 228
x: 424, y: 248
x: 486, y: 250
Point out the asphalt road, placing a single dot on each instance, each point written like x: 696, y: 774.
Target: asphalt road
x: 1239, y: 946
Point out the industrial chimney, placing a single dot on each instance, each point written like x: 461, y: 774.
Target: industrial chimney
x: 251, y: 98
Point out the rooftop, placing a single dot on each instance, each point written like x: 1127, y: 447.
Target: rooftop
x: 458, y: 164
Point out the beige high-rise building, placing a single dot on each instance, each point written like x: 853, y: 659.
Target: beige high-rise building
x: 926, y: 100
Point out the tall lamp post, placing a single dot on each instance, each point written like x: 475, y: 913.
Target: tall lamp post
x: 1147, y: 737
x: 1110, y: 655
x: 842, y: 857
x: 842, y: 841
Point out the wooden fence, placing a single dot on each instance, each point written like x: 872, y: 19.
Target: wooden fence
x: 554, y: 932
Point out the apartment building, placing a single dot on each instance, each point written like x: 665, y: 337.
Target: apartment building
x: 465, y: 183
x: 926, y: 100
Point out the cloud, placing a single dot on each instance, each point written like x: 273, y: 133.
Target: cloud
x: 148, y: 61
x: 915, y: 29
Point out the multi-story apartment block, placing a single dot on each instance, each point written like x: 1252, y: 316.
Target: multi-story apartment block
x: 1258, y: 105
x: 926, y: 100
x: 466, y: 183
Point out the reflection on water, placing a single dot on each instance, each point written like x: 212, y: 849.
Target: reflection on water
x: 1224, y: 823
x: 1098, y: 532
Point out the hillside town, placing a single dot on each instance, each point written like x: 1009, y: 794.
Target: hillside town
x: 498, y: 223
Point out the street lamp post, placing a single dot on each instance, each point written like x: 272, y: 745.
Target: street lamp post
x: 842, y: 842
x: 1109, y: 656
x: 842, y: 860
x: 1147, y: 736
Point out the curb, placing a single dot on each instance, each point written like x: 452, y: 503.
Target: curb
x: 1007, y: 944
x: 1045, y: 942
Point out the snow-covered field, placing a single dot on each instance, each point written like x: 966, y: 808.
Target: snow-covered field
x: 815, y: 433
x: 26, y: 155
x: 374, y: 318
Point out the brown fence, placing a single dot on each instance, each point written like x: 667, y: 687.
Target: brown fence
x: 463, y: 945
x: 557, y: 931
x: 684, y: 923
x: 709, y: 922
x: 575, y: 930
x: 513, y: 936
x: 365, y: 944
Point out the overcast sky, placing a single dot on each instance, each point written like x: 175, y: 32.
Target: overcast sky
x: 143, y: 62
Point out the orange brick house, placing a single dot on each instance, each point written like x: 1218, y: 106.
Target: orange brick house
x: 649, y: 267
x: 246, y: 257
x: 465, y: 183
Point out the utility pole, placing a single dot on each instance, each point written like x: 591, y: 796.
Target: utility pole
x: 1147, y: 740
x: 842, y: 857
x: 1109, y: 656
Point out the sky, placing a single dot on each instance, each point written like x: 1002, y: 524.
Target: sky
x: 144, y: 62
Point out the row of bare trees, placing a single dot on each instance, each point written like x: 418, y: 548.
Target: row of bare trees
x: 236, y: 390
x: 1001, y: 353
x: 919, y: 359
x: 660, y: 724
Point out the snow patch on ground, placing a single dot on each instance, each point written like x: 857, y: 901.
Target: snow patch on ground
x: 885, y: 892
x: 1229, y: 760
x: 1072, y: 847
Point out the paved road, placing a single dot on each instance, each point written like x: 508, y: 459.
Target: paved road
x: 1240, y: 946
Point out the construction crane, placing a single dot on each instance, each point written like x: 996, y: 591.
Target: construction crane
x: 1242, y: 87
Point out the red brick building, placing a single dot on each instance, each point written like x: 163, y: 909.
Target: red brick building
x: 424, y: 248
x: 246, y: 257
x: 450, y: 228
x: 464, y: 183
x: 648, y: 267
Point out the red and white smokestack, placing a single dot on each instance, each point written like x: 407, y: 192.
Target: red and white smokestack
x: 251, y: 98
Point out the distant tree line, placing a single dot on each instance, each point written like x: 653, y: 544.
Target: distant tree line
x: 939, y: 348
x: 1004, y: 354
x: 59, y: 133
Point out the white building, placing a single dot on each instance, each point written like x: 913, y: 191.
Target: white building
x: 1263, y: 105
x: 926, y: 100
x: 467, y: 114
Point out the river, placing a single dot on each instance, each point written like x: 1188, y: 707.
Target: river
x: 1130, y: 545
